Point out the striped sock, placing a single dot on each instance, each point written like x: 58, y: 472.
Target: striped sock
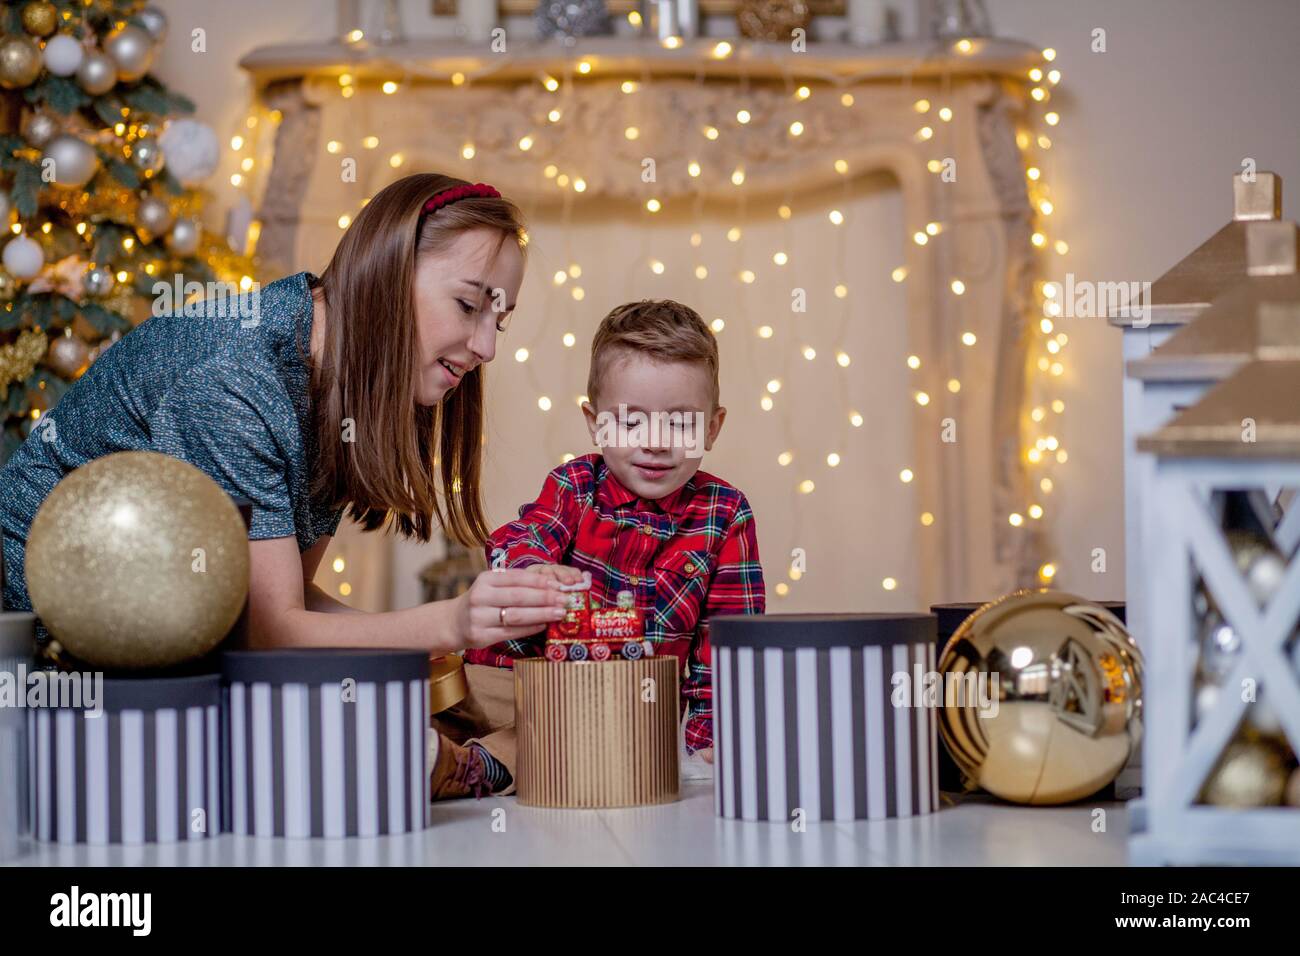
x: 494, y: 772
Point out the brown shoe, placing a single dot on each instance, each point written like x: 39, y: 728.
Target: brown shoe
x: 457, y: 773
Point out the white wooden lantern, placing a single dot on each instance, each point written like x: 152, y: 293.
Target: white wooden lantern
x: 1244, y: 434
x: 1175, y: 299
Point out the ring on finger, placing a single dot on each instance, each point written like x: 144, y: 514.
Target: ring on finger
x: 501, y: 616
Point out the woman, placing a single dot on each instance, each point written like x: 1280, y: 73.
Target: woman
x: 360, y: 391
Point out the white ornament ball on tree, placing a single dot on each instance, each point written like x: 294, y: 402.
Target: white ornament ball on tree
x: 154, y: 216
x: 23, y: 257
x: 97, y: 74
x: 38, y: 128
x: 131, y: 50
x: 155, y: 21
x: 75, y: 160
x: 98, y: 281
x: 63, y: 55
x: 184, y: 238
x: 191, y: 150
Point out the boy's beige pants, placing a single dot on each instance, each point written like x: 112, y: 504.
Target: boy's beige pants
x: 486, y: 716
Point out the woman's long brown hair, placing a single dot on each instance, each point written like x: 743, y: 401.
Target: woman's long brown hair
x: 399, y: 461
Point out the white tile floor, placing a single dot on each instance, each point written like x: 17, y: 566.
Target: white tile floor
x: 979, y: 831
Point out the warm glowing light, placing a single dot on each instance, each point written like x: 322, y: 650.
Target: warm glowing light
x: 628, y: 86
x: 842, y: 359
x: 1062, y: 247
x: 846, y: 99
x: 927, y: 519
x: 841, y: 166
x: 737, y: 177
x: 796, y: 128
x: 933, y: 228
x: 780, y: 258
x: 954, y: 385
x: 958, y: 287
x: 1058, y: 406
x: 899, y: 274
x: 945, y: 114
x: 693, y: 168
x: 569, y: 340
x: 1035, y: 511
x: 1038, y: 93
x: 1054, y: 77
x: 905, y: 476
x: 526, y: 143
x: 1046, y: 207
x: 396, y: 160
x: 344, y: 221
x: 836, y: 216
x: 711, y: 132
x: 809, y: 352
x: 723, y: 49
x: 782, y: 588
x: 921, y: 106
x: 925, y: 132
x: 1016, y: 519
x: 236, y: 142
x: 733, y: 234
x: 554, y: 116
x: 370, y: 142
x: 521, y: 355
x: 579, y: 185
x: 1033, y: 173
x: 656, y: 267
x: 889, y: 584
x: 467, y: 151
x: 717, y: 325
x: 748, y: 277
x: 1051, y: 119
x: 701, y: 272
x: 544, y: 403
x: 806, y: 486
x: 922, y: 398
x: 968, y: 338
x: 774, y: 386
x: 1049, y: 54
x: 913, y: 362
x: 1046, y: 485
x: 743, y: 116
x: 653, y: 205
x: 833, y: 460
x: 1038, y: 414
x: 964, y: 46
x: 1038, y: 239
x: 1047, y: 572
x: 236, y: 179
x: 578, y: 293
x: 389, y: 87
x: 841, y: 291
x: 920, y: 238
x: 765, y: 331
x: 855, y: 419
x: 1035, y: 74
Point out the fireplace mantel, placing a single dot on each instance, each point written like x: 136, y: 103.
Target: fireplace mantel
x: 438, y: 59
x: 862, y: 110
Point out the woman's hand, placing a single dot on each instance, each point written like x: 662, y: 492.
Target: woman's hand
x: 559, y: 573
x: 508, y: 604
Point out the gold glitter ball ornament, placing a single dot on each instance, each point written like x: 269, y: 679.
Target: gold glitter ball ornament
x: 1249, y: 774
x: 20, y: 61
x: 40, y: 18
x: 137, y: 560
x: 1042, y: 697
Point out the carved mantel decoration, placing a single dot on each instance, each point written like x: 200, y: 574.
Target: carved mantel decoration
x: 861, y: 107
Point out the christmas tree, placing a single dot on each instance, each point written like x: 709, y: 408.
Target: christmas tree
x: 98, y: 170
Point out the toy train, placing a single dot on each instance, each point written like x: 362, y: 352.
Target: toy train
x: 594, y: 633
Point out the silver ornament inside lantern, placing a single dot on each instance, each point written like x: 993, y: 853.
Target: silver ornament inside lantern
x: 131, y: 50
x: 75, y: 160
x: 97, y: 73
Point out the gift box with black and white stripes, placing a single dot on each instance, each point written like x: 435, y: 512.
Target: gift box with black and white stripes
x: 820, y: 716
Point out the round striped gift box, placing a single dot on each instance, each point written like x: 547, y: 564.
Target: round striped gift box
x: 145, y: 770
x: 326, y: 743
x: 805, y: 721
x: 17, y: 641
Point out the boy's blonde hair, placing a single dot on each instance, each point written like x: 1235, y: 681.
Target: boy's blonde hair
x: 661, y: 329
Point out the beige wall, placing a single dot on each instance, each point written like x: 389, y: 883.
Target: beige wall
x: 1151, y: 132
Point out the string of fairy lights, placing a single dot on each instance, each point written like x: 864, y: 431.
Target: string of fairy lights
x: 1043, y: 453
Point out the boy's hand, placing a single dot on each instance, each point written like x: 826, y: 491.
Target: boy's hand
x: 560, y: 573
x: 706, y: 754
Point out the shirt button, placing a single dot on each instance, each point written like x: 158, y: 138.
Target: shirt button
x: 645, y: 529
x: 690, y: 568
x: 635, y: 580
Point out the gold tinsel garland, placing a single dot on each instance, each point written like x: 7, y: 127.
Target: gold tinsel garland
x: 18, y: 359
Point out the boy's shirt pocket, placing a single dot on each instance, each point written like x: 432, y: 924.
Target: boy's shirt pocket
x: 682, y: 577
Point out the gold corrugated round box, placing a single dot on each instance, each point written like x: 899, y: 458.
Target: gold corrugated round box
x: 596, y: 735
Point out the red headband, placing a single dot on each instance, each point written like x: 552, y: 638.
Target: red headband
x: 448, y: 196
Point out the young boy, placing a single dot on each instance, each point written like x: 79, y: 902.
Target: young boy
x: 640, y: 516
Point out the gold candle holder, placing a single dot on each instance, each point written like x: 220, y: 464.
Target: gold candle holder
x: 595, y: 735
